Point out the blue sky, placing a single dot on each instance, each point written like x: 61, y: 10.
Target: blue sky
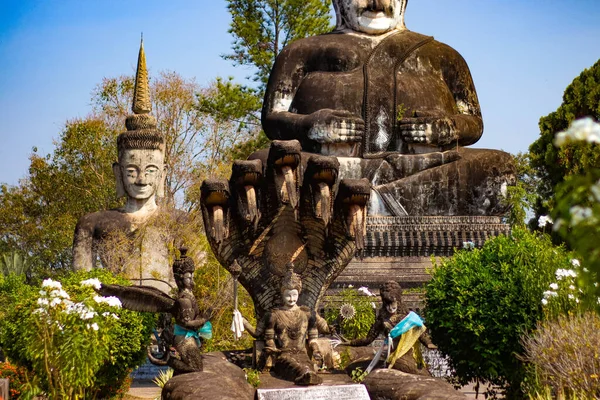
x: 522, y: 55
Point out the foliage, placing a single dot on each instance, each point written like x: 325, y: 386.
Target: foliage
x: 261, y: 28
x: 565, y: 355
x: 358, y: 325
x: 17, y: 377
x: 522, y: 196
x: 40, y: 214
x: 554, y: 164
x: 480, y: 302
x: 163, y: 377
x: 74, y: 343
x: 252, y: 376
x: 358, y: 375
x: 577, y: 211
x: 14, y: 262
x: 214, y: 291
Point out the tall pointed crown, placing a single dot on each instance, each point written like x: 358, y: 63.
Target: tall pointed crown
x: 291, y: 280
x: 141, y: 126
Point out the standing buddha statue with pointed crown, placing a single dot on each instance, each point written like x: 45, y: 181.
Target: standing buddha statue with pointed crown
x: 140, y: 175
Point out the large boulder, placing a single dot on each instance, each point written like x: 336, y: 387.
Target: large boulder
x: 220, y: 379
x: 389, y: 384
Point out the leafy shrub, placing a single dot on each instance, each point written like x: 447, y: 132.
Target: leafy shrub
x: 76, y: 344
x: 17, y: 377
x: 565, y: 354
x: 479, y: 303
x: 357, y: 322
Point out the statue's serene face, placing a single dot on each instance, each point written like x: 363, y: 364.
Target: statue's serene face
x: 371, y: 16
x: 290, y: 297
x: 392, y: 307
x: 141, y: 172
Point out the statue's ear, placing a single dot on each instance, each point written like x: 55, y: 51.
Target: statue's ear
x: 160, y: 191
x: 119, y: 179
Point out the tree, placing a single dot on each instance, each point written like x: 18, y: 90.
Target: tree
x: 261, y: 28
x: 553, y: 164
x: 38, y: 217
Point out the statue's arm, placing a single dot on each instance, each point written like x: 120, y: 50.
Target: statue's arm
x: 83, y: 252
x: 465, y: 126
x: 467, y: 123
x: 259, y: 331
x: 280, y: 122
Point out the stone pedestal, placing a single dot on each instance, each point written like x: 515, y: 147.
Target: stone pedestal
x: 401, y: 248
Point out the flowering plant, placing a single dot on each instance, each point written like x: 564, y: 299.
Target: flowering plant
x: 73, y: 343
x: 355, y: 315
x: 577, y: 211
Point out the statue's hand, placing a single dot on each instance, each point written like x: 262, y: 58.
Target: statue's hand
x: 317, y: 357
x: 335, y: 126
x: 427, y: 130
x: 432, y: 346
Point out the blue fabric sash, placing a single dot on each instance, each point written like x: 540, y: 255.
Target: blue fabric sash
x: 412, y: 320
x: 205, y: 332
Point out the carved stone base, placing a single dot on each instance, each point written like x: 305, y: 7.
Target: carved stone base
x: 401, y: 248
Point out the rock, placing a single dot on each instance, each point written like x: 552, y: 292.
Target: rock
x: 220, y: 379
x: 388, y: 384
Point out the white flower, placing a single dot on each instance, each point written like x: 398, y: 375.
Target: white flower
x: 579, y: 214
x: 565, y: 273
x: 93, y: 282
x: 373, y: 305
x: 366, y: 291
x: 544, y: 301
x: 55, y: 301
x: 59, y: 293
x: 468, y: 245
x: 109, y: 314
x: 572, y: 287
x: 575, y: 262
x: 39, y: 311
x: 42, y: 302
x: 558, y: 224
x: 543, y: 220
x: 554, y: 286
x: 350, y: 286
x: 570, y: 296
x: 42, y: 292
x: 111, y: 301
x: 49, y: 283
x: 93, y: 326
x: 549, y: 293
x: 347, y: 311
x: 584, y: 129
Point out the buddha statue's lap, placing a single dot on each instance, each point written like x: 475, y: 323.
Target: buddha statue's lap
x: 399, y: 104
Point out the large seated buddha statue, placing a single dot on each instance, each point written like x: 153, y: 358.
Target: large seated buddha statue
x: 395, y: 106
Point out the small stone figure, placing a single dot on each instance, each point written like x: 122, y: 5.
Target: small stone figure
x: 286, y: 330
x: 391, y: 313
x: 396, y: 105
x: 190, y: 324
x: 140, y: 176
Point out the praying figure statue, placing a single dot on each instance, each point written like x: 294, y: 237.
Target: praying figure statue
x: 286, y: 330
x: 191, y: 326
x: 396, y: 107
x: 140, y: 176
x: 391, y: 313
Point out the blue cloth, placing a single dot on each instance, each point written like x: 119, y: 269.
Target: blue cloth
x: 205, y: 332
x: 412, y: 320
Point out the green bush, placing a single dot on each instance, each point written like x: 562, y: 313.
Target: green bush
x: 354, y: 324
x: 75, y: 346
x: 480, y: 303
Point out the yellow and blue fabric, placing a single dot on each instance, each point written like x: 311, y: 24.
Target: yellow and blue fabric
x: 205, y: 332
x: 409, y: 330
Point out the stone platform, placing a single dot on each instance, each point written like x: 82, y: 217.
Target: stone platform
x: 401, y: 249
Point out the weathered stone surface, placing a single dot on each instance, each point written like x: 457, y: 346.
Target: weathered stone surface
x: 339, y: 392
x: 220, y: 379
x: 396, y: 107
x: 139, y: 174
x: 388, y: 384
